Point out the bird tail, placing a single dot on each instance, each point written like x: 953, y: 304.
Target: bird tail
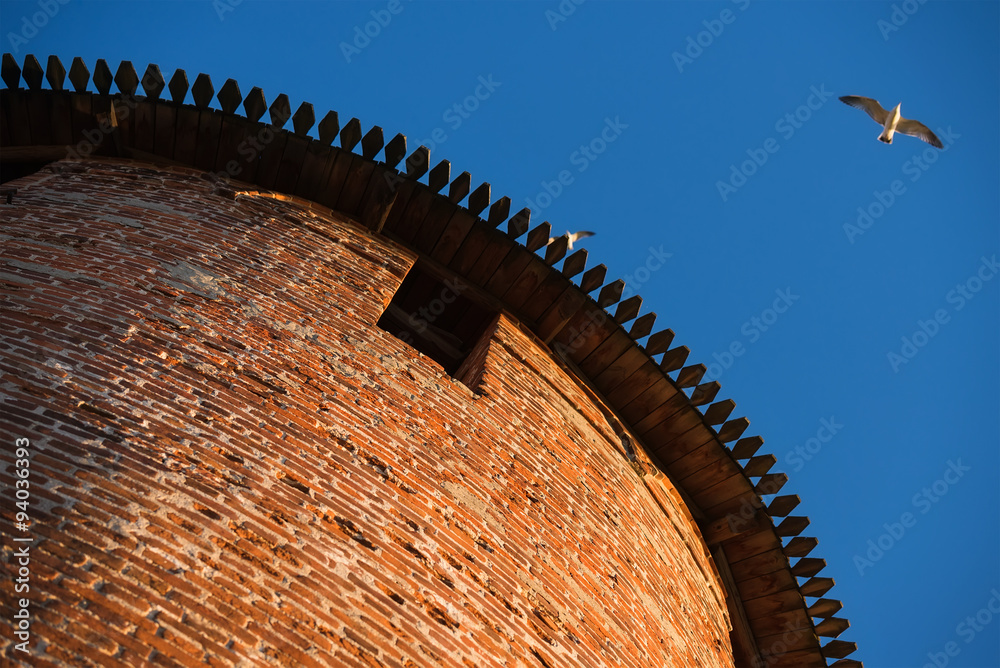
x: 885, y: 138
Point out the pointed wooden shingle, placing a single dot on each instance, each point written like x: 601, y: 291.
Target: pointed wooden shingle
x: 460, y: 187
x: 395, y: 150
x: 806, y: 567
x: 799, y: 546
x: 229, y: 96
x: 642, y: 326
x: 705, y: 393
x: 538, y: 237
x: 178, y: 86
x: 254, y: 104
x: 746, y: 447
x: 690, y: 376
x: 832, y: 627
x: 152, y: 82
x: 79, y: 75
x: 499, y: 211
x: 439, y: 176
x: 10, y: 72
x: 329, y: 127
x: 479, y: 199
x: 102, y: 77
x: 350, y: 134
x: 418, y: 162
x: 610, y: 293
x: 659, y: 342
x: 518, y: 223
x: 733, y: 429
x: 372, y: 142
x: 780, y: 506
x: 593, y: 278
x: 838, y: 649
x: 55, y: 73
x: 304, y: 118
x: 126, y: 78
x: 32, y: 72
x: 628, y: 309
x: 674, y: 359
x: 281, y: 110
x: 556, y: 250
x: 770, y: 483
x: 719, y: 412
x: 816, y: 587
x: 575, y: 263
x: 758, y: 466
x: 825, y: 607
x: 201, y: 91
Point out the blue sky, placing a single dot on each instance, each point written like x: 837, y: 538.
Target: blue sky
x: 651, y: 133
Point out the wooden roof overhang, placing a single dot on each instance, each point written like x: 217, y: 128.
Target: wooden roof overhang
x: 639, y: 374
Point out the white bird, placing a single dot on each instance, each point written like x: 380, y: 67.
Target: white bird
x: 575, y: 236
x: 891, y: 121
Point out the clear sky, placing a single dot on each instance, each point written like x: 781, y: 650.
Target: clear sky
x: 802, y: 251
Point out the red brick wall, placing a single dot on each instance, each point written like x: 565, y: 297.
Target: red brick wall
x: 232, y: 463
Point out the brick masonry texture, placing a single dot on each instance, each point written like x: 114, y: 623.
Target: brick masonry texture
x: 234, y: 465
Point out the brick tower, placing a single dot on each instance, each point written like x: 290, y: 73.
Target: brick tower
x: 280, y: 402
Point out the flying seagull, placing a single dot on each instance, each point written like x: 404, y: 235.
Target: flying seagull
x: 891, y: 121
x: 575, y: 236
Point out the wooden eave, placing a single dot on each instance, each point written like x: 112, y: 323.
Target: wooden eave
x: 639, y: 374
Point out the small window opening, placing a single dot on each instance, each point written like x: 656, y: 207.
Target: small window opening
x: 439, y: 317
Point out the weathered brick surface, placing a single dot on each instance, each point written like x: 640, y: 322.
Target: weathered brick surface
x: 233, y: 464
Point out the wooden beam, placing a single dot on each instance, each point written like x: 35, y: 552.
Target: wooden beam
x: 741, y: 625
x: 49, y: 153
x: 380, y: 200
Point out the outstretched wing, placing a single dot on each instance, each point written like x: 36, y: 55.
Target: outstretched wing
x: 867, y: 105
x: 919, y: 130
x: 576, y: 236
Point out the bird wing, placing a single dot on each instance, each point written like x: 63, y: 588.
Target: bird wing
x: 576, y: 236
x: 919, y: 130
x: 867, y: 105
